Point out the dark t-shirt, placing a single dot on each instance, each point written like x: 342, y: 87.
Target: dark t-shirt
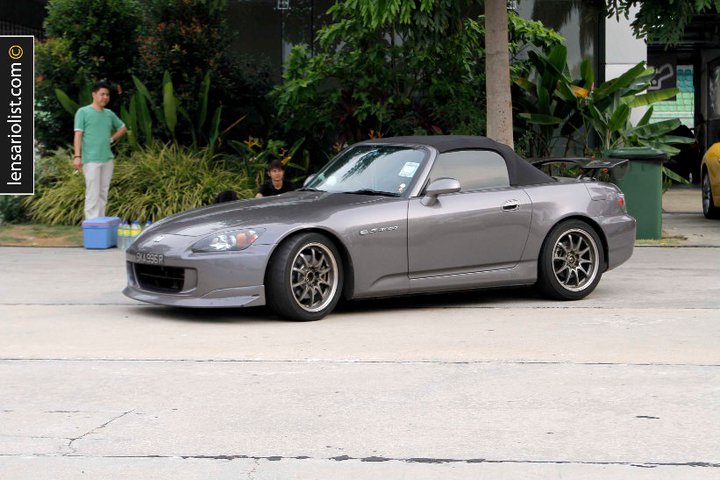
x: 267, y: 189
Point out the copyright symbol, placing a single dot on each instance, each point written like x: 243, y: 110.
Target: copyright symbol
x: 15, y: 52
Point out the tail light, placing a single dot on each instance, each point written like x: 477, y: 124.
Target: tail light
x: 621, y: 202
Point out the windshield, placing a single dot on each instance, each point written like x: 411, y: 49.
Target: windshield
x: 372, y: 170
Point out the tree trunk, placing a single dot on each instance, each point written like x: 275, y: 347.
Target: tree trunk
x: 497, y: 73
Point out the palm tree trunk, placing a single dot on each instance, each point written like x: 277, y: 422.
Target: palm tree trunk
x: 497, y: 73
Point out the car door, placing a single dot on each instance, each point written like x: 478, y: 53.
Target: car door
x: 485, y: 226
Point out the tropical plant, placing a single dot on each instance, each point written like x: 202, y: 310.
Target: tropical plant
x: 149, y: 183
x: 254, y: 155
x: 551, y: 102
x: 191, y: 39
x: 167, y: 114
x: 607, y: 111
x: 149, y: 118
x: 599, y: 117
x: 394, y: 67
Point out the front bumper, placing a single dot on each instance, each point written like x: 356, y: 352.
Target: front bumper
x: 227, y: 297
x: 186, y: 279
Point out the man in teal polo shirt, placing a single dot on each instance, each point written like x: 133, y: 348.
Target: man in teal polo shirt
x: 94, y: 127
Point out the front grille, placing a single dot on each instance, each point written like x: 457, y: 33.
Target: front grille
x: 159, y: 278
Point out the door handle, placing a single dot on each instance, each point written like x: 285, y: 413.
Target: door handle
x: 511, y: 205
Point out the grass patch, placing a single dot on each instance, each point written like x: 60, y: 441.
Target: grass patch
x: 40, y: 235
x: 665, y: 241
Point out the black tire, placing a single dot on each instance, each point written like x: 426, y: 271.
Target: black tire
x: 571, y: 261
x: 304, y: 278
x: 708, y: 205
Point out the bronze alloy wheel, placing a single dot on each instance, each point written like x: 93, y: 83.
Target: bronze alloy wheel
x: 314, y: 277
x: 575, y: 260
x: 305, y: 277
x: 571, y: 261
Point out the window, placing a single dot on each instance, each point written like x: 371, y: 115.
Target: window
x: 385, y: 169
x: 474, y: 169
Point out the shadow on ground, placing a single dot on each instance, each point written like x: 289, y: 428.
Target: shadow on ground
x: 475, y: 298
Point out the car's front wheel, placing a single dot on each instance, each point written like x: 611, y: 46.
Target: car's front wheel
x: 570, y: 262
x: 304, y: 279
x: 708, y: 202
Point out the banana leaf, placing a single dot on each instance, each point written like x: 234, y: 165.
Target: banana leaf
x: 645, y: 118
x: 214, y: 129
x: 143, y: 116
x: 543, y: 100
x: 203, y: 99
x: 140, y: 87
x: 623, y: 81
x: 130, y: 121
x: 170, y: 106
x: 619, y: 118
x: 674, y: 139
x: 587, y: 74
x: 674, y: 176
x: 656, y: 129
x: 67, y: 103
x: 187, y: 118
x: 557, y: 58
x: 653, y: 97
x: 525, y: 84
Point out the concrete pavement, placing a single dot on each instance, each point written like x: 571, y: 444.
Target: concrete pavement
x: 683, y: 221
x: 499, y: 384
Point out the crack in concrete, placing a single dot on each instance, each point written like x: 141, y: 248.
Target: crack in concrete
x: 251, y: 473
x: 377, y: 459
x: 44, y: 437
x: 94, y: 430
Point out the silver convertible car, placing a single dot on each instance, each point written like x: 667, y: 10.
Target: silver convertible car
x: 394, y: 216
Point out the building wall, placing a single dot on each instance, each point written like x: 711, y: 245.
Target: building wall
x: 22, y: 17
x: 623, y: 51
x: 577, y: 22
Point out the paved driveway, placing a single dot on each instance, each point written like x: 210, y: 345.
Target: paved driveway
x: 498, y: 384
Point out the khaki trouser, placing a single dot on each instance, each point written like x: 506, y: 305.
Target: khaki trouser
x: 97, y: 184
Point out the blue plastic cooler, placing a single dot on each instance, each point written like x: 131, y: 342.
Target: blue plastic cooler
x: 100, y: 232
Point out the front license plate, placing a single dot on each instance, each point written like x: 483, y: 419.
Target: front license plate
x: 150, y: 258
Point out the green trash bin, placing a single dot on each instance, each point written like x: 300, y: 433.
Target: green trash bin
x: 642, y: 186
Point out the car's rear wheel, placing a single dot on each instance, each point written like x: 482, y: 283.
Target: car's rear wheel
x: 305, y: 278
x: 570, y: 262
x: 708, y: 202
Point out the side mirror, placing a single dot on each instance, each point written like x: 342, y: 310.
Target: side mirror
x: 440, y: 186
x: 309, y: 179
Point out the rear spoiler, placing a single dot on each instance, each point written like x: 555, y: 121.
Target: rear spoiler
x: 591, y: 167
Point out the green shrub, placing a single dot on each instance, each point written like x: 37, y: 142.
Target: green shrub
x: 56, y: 68
x: 148, y: 184
x: 88, y: 40
x: 190, y: 40
x: 12, y: 209
x: 101, y: 35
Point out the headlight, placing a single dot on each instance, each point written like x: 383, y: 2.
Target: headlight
x: 228, y: 241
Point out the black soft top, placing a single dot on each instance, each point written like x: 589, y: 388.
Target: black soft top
x: 519, y: 170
